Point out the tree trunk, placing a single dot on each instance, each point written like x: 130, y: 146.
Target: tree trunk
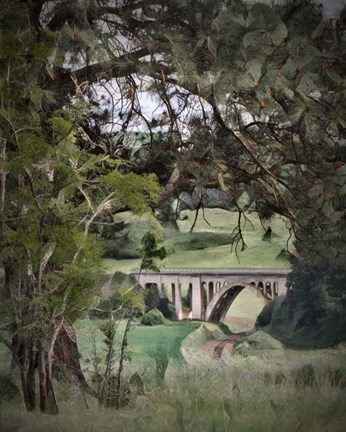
x: 24, y: 355
x: 30, y: 355
x: 66, y: 356
x: 48, y: 403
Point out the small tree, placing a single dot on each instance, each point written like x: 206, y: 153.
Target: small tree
x: 151, y: 251
x: 108, y: 370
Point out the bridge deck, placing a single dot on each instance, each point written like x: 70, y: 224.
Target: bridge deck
x: 216, y: 271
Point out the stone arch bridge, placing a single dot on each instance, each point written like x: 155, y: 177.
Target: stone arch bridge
x: 214, y: 290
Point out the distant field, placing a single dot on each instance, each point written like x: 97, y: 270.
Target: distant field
x: 209, y: 245
x: 244, y: 310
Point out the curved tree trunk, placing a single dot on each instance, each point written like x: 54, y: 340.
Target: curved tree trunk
x: 66, y: 356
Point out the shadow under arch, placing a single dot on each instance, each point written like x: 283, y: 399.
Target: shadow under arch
x: 221, y: 302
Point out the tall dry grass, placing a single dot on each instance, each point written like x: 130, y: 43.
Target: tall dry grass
x: 284, y: 391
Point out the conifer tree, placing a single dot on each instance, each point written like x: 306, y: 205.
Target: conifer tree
x: 52, y: 191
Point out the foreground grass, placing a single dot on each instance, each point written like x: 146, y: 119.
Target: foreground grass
x: 258, y: 393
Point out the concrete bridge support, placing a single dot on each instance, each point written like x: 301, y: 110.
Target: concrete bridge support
x: 196, y: 303
x: 176, y: 298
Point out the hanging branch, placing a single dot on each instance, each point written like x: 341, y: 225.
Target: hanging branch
x: 198, y: 208
x: 99, y: 209
x: 238, y: 238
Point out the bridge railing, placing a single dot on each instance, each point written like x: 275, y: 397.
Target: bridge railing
x: 239, y: 270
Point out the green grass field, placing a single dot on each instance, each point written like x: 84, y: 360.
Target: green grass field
x: 209, y: 245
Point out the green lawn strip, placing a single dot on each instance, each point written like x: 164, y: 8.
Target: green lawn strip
x: 142, y: 340
x: 111, y: 265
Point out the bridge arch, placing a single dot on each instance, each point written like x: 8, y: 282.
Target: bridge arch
x: 222, y: 300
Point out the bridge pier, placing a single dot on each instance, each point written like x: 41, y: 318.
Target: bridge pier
x: 196, y: 303
x: 176, y: 297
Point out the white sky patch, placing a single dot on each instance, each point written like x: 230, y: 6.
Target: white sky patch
x: 151, y: 107
x: 332, y: 7
x: 153, y: 111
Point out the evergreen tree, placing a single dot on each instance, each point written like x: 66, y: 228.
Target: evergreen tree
x: 52, y: 191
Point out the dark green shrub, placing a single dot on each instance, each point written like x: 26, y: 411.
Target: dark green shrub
x: 8, y: 388
x: 280, y: 378
x: 151, y: 298
x: 152, y: 318
x: 136, y: 384
x: 265, y: 316
x: 267, y: 378
x: 167, y: 308
x: 273, y: 313
x: 337, y: 378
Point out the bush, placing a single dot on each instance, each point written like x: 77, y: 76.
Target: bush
x: 265, y: 316
x: 153, y: 318
x: 255, y: 343
x: 167, y: 308
x: 273, y: 313
x: 151, y: 298
x: 8, y: 388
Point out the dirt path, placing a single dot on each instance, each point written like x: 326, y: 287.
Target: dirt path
x: 225, y: 344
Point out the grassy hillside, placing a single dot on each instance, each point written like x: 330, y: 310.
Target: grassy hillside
x: 209, y: 245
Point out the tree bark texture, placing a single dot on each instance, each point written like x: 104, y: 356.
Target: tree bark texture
x: 66, y: 356
x: 24, y: 355
x: 31, y: 356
